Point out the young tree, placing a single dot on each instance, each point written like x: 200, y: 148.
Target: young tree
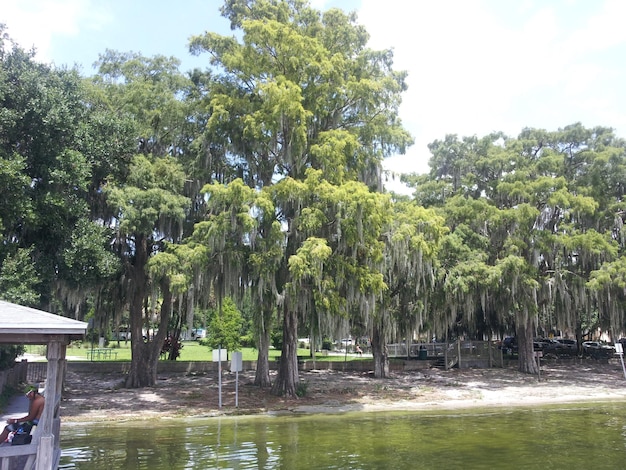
x: 225, y: 327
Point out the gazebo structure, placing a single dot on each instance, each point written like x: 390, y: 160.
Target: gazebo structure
x: 24, y: 325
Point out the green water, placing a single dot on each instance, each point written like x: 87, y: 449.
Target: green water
x: 567, y: 437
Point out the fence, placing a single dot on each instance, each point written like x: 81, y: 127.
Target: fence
x: 464, y: 354
x: 36, y: 374
x: 13, y: 377
x: 461, y: 353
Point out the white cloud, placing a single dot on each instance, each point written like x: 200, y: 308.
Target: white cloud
x: 603, y: 30
x: 35, y: 23
x: 476, y: 66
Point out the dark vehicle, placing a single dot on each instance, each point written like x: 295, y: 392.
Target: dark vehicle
x: 567, y: 347
x: 508, y: 345
x: 548, y: 345
x: 598, y: 350
x: 558, y: 347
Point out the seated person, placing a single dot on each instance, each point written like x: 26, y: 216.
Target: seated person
x: 35, y: 409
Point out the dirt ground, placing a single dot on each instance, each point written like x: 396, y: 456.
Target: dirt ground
x: 90, y: 397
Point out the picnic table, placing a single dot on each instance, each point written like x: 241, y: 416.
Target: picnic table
x: 96, y: 354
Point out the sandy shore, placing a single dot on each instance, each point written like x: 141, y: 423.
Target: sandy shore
x: 100, y: 397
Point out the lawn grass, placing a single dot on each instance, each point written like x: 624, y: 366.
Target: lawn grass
x: 193, y: 351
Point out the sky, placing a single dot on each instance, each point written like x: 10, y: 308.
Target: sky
x: 474, y: 66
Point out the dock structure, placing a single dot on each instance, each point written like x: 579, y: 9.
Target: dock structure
x: 25, y: 325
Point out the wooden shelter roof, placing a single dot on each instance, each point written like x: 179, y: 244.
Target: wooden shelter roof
x: 25, y: 325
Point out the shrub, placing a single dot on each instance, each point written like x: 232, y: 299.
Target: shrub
x: 277, y: 339
x: 248, y: 341
x: 8, y: 354
x: 302, y: 389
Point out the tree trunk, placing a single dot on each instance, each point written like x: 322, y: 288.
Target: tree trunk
x: 144, y: 354
x: 190, y: 311
x: 527, y: 362
x: 286, y: 383
x: 379, y: 351
x: 579, y: 339
x: 262, y: 377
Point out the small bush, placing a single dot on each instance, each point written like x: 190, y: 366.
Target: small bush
x: 302, y: 389
x: 6, y: 395
x: 248, y: 341
x: 277, y: 339
x: 8, y: 354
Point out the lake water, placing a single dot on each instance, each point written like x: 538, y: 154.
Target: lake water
x: 566, y: 437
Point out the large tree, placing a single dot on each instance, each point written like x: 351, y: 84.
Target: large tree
x: 148, y: 203
x: 299, y: 90
x: 412, y: 240
x: 149, y: 209
x: 52, y: 165
x: 534, y: 216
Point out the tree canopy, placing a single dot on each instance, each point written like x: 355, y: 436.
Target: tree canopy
x: 143, y: 193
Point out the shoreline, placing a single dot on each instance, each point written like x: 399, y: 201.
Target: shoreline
x: 98, y: 397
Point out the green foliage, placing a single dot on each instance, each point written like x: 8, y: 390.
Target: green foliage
x: 260, y: 180
x: 302, y: 389
x: 225, y: 327
x: 149, y: 199
x: 19, y: 279
x: 87, y: 260
x: 8, y: 354
x: 276, y: 338
x: 248, y: 341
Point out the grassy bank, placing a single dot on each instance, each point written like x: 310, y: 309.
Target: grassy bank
x: 191, y: 351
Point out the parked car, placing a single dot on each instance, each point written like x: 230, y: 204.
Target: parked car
x: 198, y: 333
x: 547, y: 345
x: 122, y: 335
x: 508, y: 345
x: 558, y: 347
x: 567, y: 346
x: 597, y: 350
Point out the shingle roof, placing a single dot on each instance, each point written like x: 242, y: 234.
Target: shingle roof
x: 29, y: 325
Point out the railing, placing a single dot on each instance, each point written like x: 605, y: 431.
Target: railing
x: 459, y: 352
x: 415, y: 350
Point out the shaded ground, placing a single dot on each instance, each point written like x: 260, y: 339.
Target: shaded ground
x: 101, y: 397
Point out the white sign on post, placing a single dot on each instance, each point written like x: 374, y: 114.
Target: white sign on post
x: 220, y: 355
x: 619, y: 350
x: 236, y: 361
x: 236, y: 366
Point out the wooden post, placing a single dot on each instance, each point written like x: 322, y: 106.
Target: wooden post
x: 49, y: 442
x: 45, y: 453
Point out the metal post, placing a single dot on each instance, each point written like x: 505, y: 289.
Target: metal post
x: 219, y: 375
x: 619, y: 350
